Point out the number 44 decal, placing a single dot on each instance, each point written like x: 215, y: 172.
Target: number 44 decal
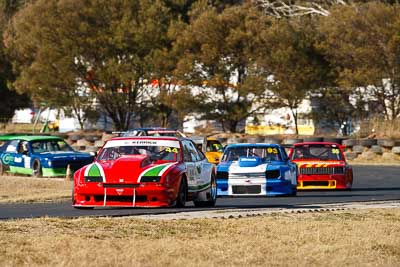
x: 172, y: 149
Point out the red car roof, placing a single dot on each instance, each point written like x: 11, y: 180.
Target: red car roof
x: 317, y: 143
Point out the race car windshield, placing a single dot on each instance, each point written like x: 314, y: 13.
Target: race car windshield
x: 319, y: 152
x: 265, y: 153
x: 214, y: 146
x: 50, y: 146
x: 164, y: 153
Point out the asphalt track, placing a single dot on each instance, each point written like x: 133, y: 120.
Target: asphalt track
x: 371, y: 183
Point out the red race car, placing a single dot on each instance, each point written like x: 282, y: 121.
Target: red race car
x: 146, y: 172
x: 321, y: 165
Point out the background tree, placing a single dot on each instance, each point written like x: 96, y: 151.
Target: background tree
x: 10, y: 100
x: 364, y: 45
x: 332, y: 110
x: 219, y: 65
x: 287, y: 50
x: 104, y: 46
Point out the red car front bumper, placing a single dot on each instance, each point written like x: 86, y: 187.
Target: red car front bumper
x: 325, y: 181
x: 122, y: 195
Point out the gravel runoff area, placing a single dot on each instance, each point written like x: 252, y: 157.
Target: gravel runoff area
x: 240, y: 213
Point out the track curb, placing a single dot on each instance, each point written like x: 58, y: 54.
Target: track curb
x: 243, y: 213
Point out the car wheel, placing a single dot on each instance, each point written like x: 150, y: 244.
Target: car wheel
x: 83, y: 208
x: 294, y: 192
x: 37, y: 169
x: 213, y: 195
x: 182, y: 194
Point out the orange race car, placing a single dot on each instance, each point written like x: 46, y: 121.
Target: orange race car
x: 321, y: 165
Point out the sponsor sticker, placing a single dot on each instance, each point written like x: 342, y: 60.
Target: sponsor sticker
x: 248, y: 159
x: 7, y: 158
x: 166, y: 143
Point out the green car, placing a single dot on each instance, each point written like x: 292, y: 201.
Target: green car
x: 39, y: 156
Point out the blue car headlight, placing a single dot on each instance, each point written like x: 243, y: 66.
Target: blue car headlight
x: 273, y: 174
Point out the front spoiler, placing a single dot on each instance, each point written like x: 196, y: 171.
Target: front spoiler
x: 131, y: 195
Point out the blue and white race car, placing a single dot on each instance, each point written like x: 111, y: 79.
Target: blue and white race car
x: 256, y: 170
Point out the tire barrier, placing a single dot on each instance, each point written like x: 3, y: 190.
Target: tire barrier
x: 333, y: 140
x: 313, y: 139
x: 373, y: 150
x: 368, y: 142
x: 99, y: 143
x: 74, y: 137
x: 92, y: 138
x: 376, y: 149
x: 350, y: 142
x: 291, y: 141
x: 270, y: 140
x: 358, y: 149
x: 254, y: 140
x: 349, y: 155
x: 386, y: 143
x: 396, y: 150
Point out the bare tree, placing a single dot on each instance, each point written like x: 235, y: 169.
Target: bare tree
x: 293, y: 8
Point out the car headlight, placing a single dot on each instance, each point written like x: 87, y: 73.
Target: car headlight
x: 273, y: 174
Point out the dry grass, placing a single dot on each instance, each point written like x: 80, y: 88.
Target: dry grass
x: 359, y: 238
x: 380, y: 129
x: 28, y: 189
x: 20, y: 127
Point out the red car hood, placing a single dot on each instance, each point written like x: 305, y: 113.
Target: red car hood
x: 126, y: 169
x: 318, y: 163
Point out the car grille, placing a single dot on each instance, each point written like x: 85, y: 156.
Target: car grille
x: 120, y: 185
x: 322, y: 170
x: 315, y: 183
x: 246, y: 189
x: 272, y: 174
x: 222, y: 175
x: 126, y: 199
x: 247, y: 175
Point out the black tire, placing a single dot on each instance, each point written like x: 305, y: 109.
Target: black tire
x: 294, y: 193
x: 72, y: 195
x: 213, y: 196
x: 333, y: 140
x: 350, y: 155
x: 368, y: 142
x: 386, y: 143
x: 271, y: 140
x: 83, y: 208
x: 376, y: 149
x: 349, y: 142
x: 74, y: 137
x: 358, y: 149
x: 92, y: 138
x: 180, y: 201
x: 37, y: 169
